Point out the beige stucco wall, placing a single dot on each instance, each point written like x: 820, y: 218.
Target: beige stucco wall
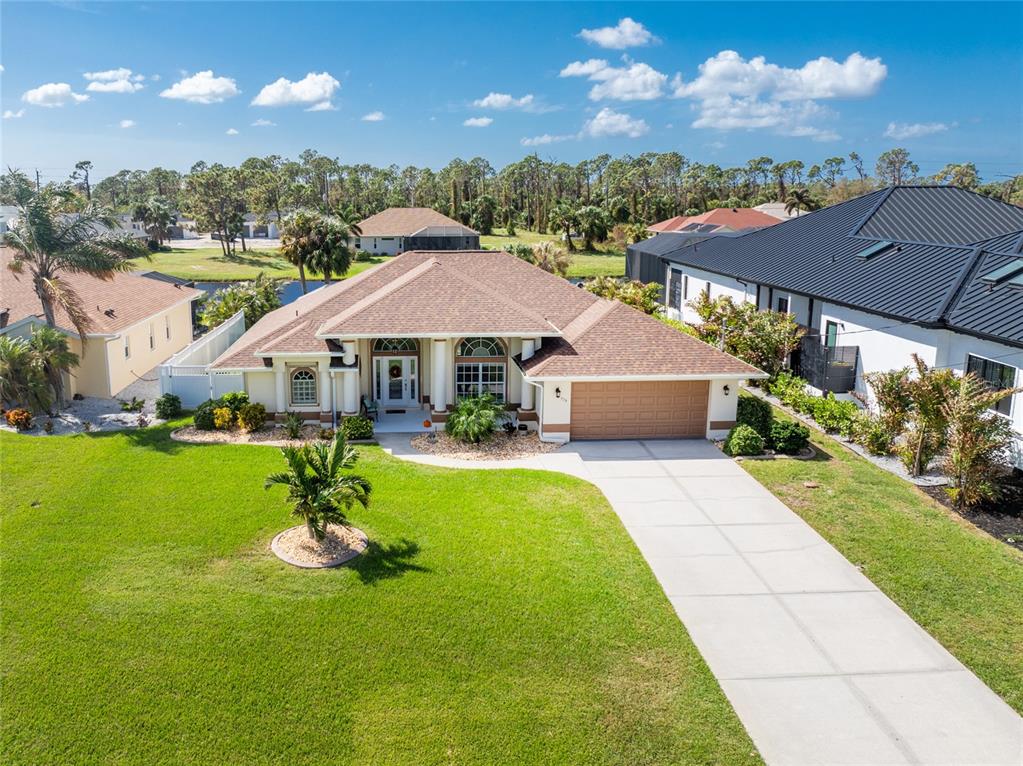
x: 90, y: 377
x: 261, y: 388
x: 123, y: 370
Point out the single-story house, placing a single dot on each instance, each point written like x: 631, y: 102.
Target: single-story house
x: 400, y: 229
x: 717, y: 220
x: 422, y: 330
x: 253, y: 227
x: 778, y: 210
x: 137, y: 323
x: 930, y: 270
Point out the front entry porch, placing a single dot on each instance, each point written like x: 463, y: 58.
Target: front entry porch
x: 408, y: 422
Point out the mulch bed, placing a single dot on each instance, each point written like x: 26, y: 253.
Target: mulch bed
x: 269, y: 436
x: 1002, y: 519
x: 500, y: 446
x: 340, y: 544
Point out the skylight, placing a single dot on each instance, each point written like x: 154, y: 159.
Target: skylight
x: 1013, y: 268
x: 875, y: 249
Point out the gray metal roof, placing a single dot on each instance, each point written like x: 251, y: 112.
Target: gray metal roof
x: 918, y: 280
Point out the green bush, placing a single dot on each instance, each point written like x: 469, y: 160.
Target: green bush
x: 357, y: 427
x: 789, y: 437
x: 251, y: 417
x: 168, y: 406
x: 233, y: 401
x: 203, y: 417
x: 135, y: 405
x: 744, y: 440
x: 833, y: 414
x: 475, y: 418
x: 293, y: 425
x: 791, y: 390
x: 754, y: 412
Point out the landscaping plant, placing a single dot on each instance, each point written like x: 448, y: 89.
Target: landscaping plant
x: 19, y: 418
x: 789, y: 437
x: 928, y: 391
x: 744, y: 440
x: 357, y: 427
x: 977, y: 441
x: 755, y: 413
x: 319, y: 490
x: 251, y: 416
x: 834, y: 414
x: 257, y: 298
x: 293, y: 425
x: 475, y: 418
x: 325, y: 434
x: 235, y: 400
x: 223, y: 418
x: 22, y: 380
x: 203, y: 416
x: 135, y: 405
x: 168, y: 406
x: 645, y: 297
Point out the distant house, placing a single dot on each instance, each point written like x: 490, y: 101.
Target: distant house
x: 777, y: 210
x: 718, y: 220
x: 8, y: 217
x: 400, y: 229
x: 935, y: 271
x: 137, y: 323
x: 252, y: 228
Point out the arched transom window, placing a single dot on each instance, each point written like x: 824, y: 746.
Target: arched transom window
x: 303, y: 386
x: 481, y: 347
x: 395, y: 345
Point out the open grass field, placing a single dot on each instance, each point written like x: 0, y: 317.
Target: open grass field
x: 209, y: 264
x: 606, y: 261
x: 963, y: 586
x: 498, y: 618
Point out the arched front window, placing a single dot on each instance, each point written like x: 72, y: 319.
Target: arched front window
x: 395, y: 345
x: 303, y: 386
x: 481, y: 347
x: 485, y: 376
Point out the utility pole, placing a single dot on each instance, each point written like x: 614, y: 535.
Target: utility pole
x: 37, y: 180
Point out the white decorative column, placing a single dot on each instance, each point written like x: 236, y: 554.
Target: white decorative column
x: 349, y: 380
x: 323, y: 378
x: 280, y: 392
x: 528, y: 349
x: 440, y: 363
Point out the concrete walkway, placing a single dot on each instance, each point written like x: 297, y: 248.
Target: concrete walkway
x: 821, y: 667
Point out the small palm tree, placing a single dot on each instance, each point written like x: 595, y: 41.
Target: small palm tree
x: 800, y: 199
x: 562, y: 218
x: 55, y: 357
x: 22, y: 380
x: 319, y: 490
x: 551, y: 258
x: 49, y: 243
x: 593, y: 223
x: 475, y: 418
x: 156, y: 216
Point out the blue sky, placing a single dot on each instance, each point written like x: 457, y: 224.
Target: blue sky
x: 719, y: 82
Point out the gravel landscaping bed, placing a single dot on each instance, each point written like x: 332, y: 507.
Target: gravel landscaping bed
x: 340, y: 544
x: 271, y: 436
x: 499, y: 447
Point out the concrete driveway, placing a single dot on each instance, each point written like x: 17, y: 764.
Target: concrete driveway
x: 820, y: 666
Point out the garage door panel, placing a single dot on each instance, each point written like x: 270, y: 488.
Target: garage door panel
x: 639, y: 409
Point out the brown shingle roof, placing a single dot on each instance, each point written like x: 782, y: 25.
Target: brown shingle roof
x: 112, y: 304
x: 469, y: 292
x: 405, y: 221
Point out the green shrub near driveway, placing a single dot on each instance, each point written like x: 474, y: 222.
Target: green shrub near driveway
x: 754, y: 412
x: 475, y: 418
x: 834, y: 415
x: 789, y: 437
x: 357, y: 427
x: 743, y: 440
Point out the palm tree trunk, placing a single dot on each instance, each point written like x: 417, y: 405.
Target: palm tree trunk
x: 301, y: 276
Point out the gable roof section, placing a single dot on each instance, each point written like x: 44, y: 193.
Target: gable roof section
x: 725, y: 218
x: 406, y: 221
x: 112, y: 304
x: 914, y: 280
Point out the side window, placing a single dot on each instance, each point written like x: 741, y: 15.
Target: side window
x: 831, y: 334
x: 127, y: 347
x: 997, y: 376
x: 783, y: 305
x: 685, y: 287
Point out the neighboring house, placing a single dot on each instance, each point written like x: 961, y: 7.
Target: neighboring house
x: 930, y: 270
x: 137, y: 323
x: 8, y: 217
x: 182, y: 228
x: 777, y: 210
x: 253, y: 228
x: 716, y: 221
x: 401, y: 229
x: 129, y: 225
x: 426, y: 328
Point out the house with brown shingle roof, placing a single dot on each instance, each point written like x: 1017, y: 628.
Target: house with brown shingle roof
x: 420, y: 331
x: 136, y: 322
x: 400, y: 229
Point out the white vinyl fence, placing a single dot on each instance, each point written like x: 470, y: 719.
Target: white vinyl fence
x: 186, y: 373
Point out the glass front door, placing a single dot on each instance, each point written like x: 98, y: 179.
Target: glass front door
x: 396, y: 380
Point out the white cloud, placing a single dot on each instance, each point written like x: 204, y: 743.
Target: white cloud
x: 261, y: 123
x: 903, y: 130
x: 608, y: 122
x: 478, y: 122
x: 373, y: 117
x: 121, y: 80
x: 545, y: 139
x: 2, y: 68
x: 504, y: 101
x: 626, y: 34
x: 53, y: 94
x: 314, y: 90
x: 231, y: 132
x: 127, y: 123
x: 633, y: 82
x: 10, y: 114
x: 202, y: 88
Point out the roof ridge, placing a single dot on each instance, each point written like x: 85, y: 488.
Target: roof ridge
x: 585, y: 322
x: 888, y: 191
x: 363, y: 303
x: 959, y: 286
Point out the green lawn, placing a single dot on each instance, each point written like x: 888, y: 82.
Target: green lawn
x: 209, y: 264
x: 605, y: 261
x: 964, y: 587
x: 499, y: 618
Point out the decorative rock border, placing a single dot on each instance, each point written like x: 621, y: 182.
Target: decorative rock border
x: 348, y: 555
x: 809, y: 454
x: 238, y: 437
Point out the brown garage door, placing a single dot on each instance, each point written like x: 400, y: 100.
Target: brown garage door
x: 661, y: 409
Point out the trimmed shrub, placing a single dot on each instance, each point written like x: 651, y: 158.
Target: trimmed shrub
x: 223, y: 418
x: 744, y: 440
x: 475, y: 418
x: 325, y: 434
x: 233, y: 400
x: 293, y: 425
x: 756, y: 413
x: 833, y: 414
x: 874, y: 434
x: 203, y: 416
x: 19, y: 418
x: 168, y: 406
x: 251, y: 417
x: 789, y: 437
x: 357, y: 428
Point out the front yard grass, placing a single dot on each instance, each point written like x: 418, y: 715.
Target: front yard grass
x: 963, y: 586
x: 500, y: 617
x: 209, y: 264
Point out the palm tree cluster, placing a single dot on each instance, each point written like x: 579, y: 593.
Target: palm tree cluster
x: 32, y: 371
x: 318, y: 242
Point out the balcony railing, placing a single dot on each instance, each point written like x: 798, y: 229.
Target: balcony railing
x: 829, y: 368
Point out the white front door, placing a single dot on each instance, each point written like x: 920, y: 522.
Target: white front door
x: 396, y: 380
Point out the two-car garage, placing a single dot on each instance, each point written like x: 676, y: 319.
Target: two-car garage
x: 655, y: 409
